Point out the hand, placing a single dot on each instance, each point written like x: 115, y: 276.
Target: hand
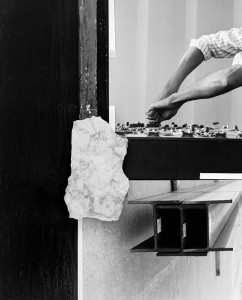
x: 152, y: 113
x: 163, y: 110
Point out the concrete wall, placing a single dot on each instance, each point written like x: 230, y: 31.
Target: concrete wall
x: 111, y: 272
x: 151, y: 37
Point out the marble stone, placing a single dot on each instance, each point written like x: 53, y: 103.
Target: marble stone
x: 97, y: 186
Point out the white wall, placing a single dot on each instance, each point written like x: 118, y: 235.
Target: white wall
x: 210, y: 20
x: 151, y: 37
x: 124, y: 85
x: 111, y: 272
x: 145, y: 53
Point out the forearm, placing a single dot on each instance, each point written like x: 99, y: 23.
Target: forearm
x: 212, y: 85
x: 190, y: 60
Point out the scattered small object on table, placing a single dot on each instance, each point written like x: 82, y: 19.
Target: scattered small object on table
x: 174, y: 130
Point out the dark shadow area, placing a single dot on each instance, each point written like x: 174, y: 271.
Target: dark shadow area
x: 39, y: 89
x: 195, y: 227
x: 169, y: 233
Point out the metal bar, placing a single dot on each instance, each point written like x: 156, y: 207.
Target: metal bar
x: 194, y: 225
x: 217, y: 263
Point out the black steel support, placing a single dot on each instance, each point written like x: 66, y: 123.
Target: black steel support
x: 180, y: 158
x: 102, y: 60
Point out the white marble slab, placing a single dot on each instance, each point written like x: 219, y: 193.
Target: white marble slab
x: 97, y: 186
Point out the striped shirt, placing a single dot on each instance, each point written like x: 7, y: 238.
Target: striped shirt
x: 221, y: 45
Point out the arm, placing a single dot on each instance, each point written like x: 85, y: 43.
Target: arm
x: 212, y: 85
x: 220, y: 45
x: 190, y: 60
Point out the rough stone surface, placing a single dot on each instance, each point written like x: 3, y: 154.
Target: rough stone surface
x: 97, y: 185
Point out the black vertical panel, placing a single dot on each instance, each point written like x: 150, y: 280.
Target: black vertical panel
x: 102, y: 60
x: 38, y: 103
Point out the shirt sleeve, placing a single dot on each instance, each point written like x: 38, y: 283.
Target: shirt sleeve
x: 221, y: 44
